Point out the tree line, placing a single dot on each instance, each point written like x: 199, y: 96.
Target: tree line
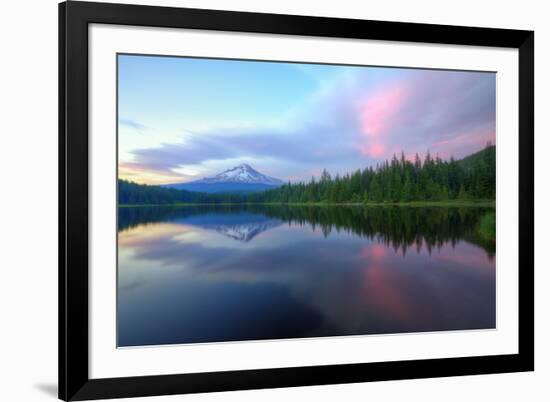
x: 130, y: 193
x: 397, y: 180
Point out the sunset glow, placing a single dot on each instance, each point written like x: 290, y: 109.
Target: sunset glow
x: 181, y: 119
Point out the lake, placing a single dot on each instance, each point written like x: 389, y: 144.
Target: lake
x: 233, y: 273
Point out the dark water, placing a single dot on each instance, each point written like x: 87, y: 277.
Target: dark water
x: 209, y: 274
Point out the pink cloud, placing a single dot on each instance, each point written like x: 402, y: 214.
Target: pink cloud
x: 462, y: 143
x: 375, y: 150
x: 379, y: 112
x: 476, y: 137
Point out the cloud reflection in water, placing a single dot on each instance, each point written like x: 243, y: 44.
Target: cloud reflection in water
x: 222, y: 275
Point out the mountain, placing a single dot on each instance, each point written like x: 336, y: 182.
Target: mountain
x: 241, y: 174
x: 240, y: 179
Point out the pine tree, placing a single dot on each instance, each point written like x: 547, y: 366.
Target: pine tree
x: 462, y: 193
x: 406, y: 194
x: 376, y: 190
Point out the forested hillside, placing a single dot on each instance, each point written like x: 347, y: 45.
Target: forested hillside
x: 399, y: 180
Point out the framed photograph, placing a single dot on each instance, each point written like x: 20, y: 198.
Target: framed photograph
x: 257, y: 200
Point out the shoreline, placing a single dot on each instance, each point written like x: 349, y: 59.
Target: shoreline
x: 417, y: 204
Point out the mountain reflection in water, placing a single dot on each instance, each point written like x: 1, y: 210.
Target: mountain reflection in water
x: 227, y: 273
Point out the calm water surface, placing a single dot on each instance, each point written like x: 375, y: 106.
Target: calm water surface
x: 209, y: 274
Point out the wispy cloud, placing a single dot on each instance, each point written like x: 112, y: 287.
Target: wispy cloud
x: 148, y: 174
x: 132, y: 124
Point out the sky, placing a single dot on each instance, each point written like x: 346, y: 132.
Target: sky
x: 181, y: 119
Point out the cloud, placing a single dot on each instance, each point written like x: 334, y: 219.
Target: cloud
x: 132, y: 124
x: 381, y: 109
x: 312, y: 146
x: 417, y: 113
x: 148, y: 174
x: 365, y: 117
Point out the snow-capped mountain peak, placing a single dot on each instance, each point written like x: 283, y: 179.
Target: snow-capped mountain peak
x: 241, y: 174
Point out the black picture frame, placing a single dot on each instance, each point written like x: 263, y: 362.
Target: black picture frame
x: 74, y: 381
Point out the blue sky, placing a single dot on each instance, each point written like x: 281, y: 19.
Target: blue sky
x: 184, y: 118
